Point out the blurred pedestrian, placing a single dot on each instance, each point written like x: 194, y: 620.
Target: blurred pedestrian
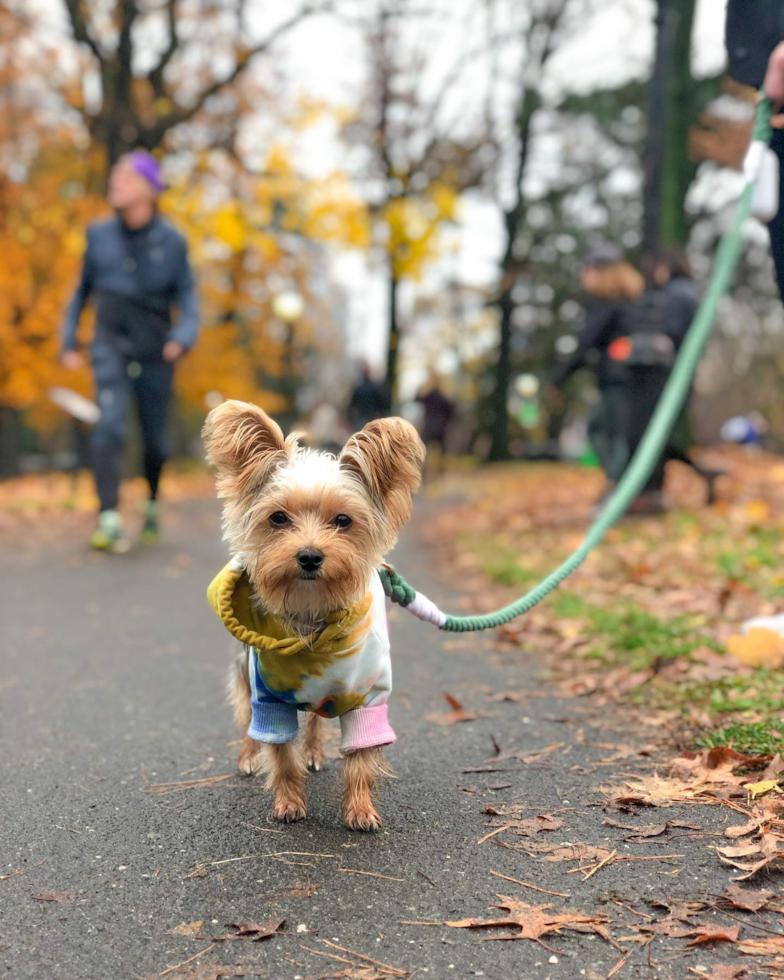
x: 612, y: 284
x: 681, y: 299
x: 438, y: 412
x: 755, y: 48
x: 136, y: 271
x: 658, y: 324
x: 369, y: 401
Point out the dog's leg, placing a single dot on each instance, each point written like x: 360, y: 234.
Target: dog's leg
x: 239, y: 699
x: 313, y: 742
x: 362, y: 771
x: 285, y: 768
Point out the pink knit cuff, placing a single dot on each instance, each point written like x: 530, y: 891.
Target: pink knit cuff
x: 365, y: 728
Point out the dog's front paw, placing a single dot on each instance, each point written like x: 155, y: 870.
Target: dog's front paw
x: 357, y: 817
x: 289, y: 810
x: 314, y: 759
x: 248, y: 762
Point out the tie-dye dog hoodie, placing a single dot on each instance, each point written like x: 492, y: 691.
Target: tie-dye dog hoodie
x: 342, y: 671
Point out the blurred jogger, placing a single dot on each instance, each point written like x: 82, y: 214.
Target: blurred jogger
x: 136, y: 270
x: 612, y: 284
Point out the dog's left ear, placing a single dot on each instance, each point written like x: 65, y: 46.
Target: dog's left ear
x: 244, y: 445
x: 387, y: 456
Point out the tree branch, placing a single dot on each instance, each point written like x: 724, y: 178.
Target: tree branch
x: 181, y: 115
x: 155, y: 75
x: 80, y: 29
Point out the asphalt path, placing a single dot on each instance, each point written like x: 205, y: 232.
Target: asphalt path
x: 112, y: 680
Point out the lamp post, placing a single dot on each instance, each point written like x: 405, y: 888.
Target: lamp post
x: 288, y: 306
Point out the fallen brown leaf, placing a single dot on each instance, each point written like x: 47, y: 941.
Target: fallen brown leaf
x: 769, y: 946
x: 642, y: 831
x: 766, y: 851
x: 454, y: 717
x: 752, y: 825
x: 532, y: 921
x: 714, y: 933
x: 187, y: 929
x: 300, y: 889
x: 256, y: 930
x: 750, y: 901
x: 722, y: 972
x: 535, y: 825
x: 61, y: 898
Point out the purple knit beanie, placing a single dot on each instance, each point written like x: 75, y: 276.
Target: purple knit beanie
x: 147, y: 166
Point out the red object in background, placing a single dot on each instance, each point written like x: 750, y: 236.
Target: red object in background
x: 620, y: 349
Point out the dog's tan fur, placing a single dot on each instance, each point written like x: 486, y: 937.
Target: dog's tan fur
x: 260, y: 472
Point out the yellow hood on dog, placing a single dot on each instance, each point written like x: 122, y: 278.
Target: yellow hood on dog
x: 231, y: 596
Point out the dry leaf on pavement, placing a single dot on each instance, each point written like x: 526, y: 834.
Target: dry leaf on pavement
x: 454, y: 717
x: 255, y: 930
x: 765, y: 851
x: 532, y: 921
x: 722, y: 972
x: 187, y: 929
x: 61, y: 898
x: 713, y: 934
x: 642, y: 831
x: 530, y: 827
x: 740, y: 898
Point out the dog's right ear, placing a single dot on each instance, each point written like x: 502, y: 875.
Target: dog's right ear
x: 244, y: 445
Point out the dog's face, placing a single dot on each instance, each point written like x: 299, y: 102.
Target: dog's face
x: 313, y: 528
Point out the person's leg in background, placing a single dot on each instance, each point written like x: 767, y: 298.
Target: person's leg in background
x: 776, y: 226
x: 606, y: 431
x: 108, y: 443
x: 152, y: 386
x: 643, y: 393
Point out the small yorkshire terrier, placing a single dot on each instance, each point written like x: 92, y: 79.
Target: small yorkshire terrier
x: 308, y: 532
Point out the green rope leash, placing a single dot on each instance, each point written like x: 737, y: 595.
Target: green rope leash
x: 654, y: 440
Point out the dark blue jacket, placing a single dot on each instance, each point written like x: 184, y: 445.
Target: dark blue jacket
x: 136, y: 277
x: 754, y: 28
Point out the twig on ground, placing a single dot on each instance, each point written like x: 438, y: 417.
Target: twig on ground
x: 371, y: 874
x: 21, y: 871
x: 493, y: 833
x: 171, y: 969
x: 619, y: 965
x: 599, y: 866
x: 525, y: 884
x: 392, y: 969
x: 166, y: 789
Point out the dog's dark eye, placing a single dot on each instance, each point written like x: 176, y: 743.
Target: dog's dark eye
x: 279, y: 519
x: 342, y: 521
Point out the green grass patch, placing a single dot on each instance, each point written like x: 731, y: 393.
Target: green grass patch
x: 750, y: 738
x: 568, y: 605
x: 640, y: 640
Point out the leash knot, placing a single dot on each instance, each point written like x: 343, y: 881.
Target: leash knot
x: 395, y: 586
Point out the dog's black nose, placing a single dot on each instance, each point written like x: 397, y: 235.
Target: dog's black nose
x: 310, y: 559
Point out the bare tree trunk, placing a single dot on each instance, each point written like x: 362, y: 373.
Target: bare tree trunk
x: 513, y: 223
x: 394, y: 334
x: 668, y: 171
x: 11, y: 441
